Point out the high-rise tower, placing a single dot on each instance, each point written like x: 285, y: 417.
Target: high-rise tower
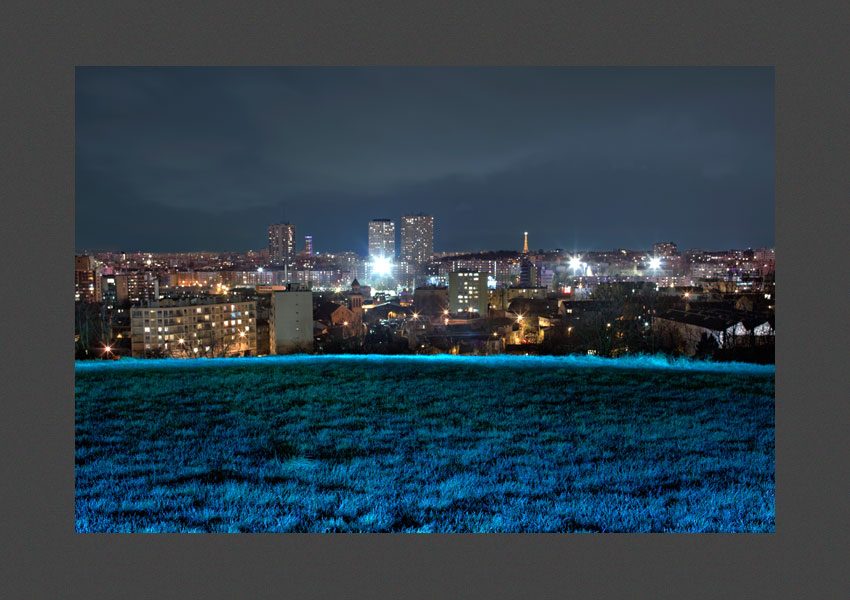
x: 282, y: 245
x: 417, y: 238
x: 381, y: 239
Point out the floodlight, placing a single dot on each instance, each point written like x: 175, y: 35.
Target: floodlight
x: 381, y: 265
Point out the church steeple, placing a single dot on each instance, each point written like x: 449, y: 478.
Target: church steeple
x: 525, y: 243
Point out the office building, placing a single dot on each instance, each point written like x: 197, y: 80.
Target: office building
x: 308, y: 245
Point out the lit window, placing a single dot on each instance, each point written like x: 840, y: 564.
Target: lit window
x: 147, y: 329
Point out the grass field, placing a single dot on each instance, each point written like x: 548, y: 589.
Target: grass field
x: 424, y: 444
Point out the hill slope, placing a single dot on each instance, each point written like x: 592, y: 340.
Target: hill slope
x: 421, y: 444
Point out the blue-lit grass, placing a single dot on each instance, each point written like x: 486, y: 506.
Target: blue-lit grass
x: 418, y: 445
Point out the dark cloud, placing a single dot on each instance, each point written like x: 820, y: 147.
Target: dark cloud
x: 178, y: 159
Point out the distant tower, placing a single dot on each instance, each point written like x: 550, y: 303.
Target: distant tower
x: 417, y: 238
x: 381, y: 239
x: 282, y: 245
x: 525, y: 243
x: 308, y: 245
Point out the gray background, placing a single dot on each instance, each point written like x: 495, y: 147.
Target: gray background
x: 43, y: 558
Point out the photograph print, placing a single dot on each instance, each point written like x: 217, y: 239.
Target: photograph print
x: 424, y: 300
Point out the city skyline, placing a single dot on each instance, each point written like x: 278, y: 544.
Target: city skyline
x: 510, y: 246
x: 590, y: 159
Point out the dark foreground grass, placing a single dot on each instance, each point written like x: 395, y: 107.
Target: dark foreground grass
x: 333, y: 444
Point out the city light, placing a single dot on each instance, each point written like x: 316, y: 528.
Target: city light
x: 654, y: 263
x: 575, y: 263
x: 259, y: 269
x: 382, y: 266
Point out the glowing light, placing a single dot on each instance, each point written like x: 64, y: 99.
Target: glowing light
x: 575, y: 263
x: 415, y: 315
x: 241, y: 334
x: 181, y: 341
x: 382, y: 266
x: 654, y: 263
x: 446, y: 311
x: 345, y: 323
x: 259, y: 269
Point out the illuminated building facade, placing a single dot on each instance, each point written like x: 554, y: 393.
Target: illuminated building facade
x: 186, y: 330
x: 417, y: 238
x: 87, y: 280
x: 381, y: 239
x: 468, y: 293
x: 282, y: 245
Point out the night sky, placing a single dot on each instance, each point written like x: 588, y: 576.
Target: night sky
x: 177, y: 159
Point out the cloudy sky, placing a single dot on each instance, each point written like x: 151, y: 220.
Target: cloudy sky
x: 205, y: 158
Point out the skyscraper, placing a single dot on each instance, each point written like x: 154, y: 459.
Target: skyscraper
x: 282, y: 244
x: 381, y: 239
x: 308, y: 245
x: 417, y: 238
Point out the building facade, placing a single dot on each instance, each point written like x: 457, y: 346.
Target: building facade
x: 417, y: 238
x: 191, y: 330
x: 291, y: 322
x: 468, y: 293
x: 381, y: 239
x: 87, y: 280
x: 137, y: 287
x: 282, y: 245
